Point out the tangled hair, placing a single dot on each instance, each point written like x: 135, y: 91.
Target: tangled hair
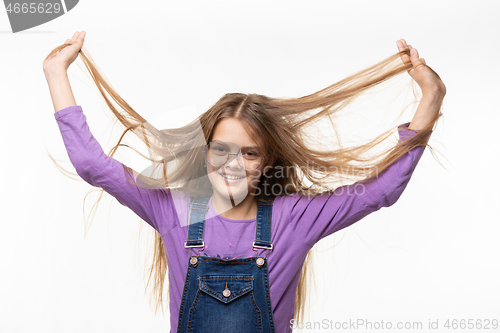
x: 279, y: 126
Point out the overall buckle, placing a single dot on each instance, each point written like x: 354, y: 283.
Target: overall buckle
x: 188, y: 246
x: 268, y: 247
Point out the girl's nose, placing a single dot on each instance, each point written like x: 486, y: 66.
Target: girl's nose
x: 235, y: 161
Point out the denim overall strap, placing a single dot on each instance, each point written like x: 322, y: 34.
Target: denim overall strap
x: 263, y: 227
x: 197, y: 210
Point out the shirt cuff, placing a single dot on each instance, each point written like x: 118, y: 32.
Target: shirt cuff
x: 67, y: 110
x: 406, y: 133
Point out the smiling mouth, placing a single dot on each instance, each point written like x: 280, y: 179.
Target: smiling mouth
x: 228, y: 177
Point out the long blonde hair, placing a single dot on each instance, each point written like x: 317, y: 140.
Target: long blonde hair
x: 279, y: 124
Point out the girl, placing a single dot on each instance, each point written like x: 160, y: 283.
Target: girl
x: 233, y: 215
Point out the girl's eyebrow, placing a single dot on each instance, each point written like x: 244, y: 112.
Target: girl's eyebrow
x: 256, y: 146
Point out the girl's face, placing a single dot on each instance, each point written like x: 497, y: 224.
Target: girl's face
x: 232, y: 130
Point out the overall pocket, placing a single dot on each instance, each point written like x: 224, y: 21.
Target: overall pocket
x: 225, y: 303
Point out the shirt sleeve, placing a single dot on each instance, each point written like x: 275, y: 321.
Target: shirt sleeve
x: 316, y: 217
x: 100, y: 170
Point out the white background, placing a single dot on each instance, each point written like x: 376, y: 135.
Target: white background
x: 431, y: 256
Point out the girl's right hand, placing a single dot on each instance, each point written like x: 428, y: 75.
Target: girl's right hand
x: 67, y: 55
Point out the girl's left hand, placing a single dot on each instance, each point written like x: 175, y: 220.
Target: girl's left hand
x: 426, y: 78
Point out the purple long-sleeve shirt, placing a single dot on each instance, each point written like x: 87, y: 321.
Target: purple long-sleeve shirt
x: 298, y: 221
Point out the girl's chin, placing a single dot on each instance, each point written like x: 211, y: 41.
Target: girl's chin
x: 232, y: 191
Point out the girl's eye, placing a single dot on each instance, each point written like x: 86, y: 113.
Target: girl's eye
x: 251, y: 154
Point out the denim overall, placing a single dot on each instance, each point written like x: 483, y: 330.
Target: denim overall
x: 226, y: 295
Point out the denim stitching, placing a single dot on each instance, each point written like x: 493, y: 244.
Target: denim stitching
x: 191, y: 310
x: 268, y: 299
x: 256, y: 307
x: 226, y: 261
x: 184, y: 296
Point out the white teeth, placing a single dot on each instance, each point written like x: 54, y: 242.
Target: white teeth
x: 232, y: 177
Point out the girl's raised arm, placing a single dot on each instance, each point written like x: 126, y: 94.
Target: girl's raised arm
x: 87, y: 155
x: 433, y: 88
x: 55, y: 72
x: 317, y: 217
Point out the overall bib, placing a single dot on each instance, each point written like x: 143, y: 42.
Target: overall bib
x: 226, y: 295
